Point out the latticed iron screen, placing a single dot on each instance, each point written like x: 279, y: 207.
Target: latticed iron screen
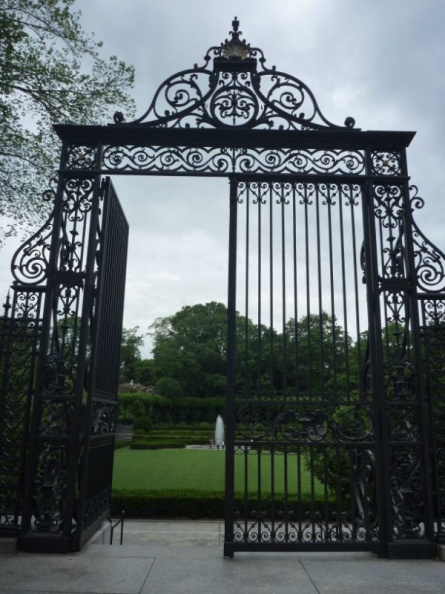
x: 303, y: 439
x: 433, y: 341
x: 20, y: 334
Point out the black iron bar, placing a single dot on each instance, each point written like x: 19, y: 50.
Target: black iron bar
x: 332, y: 193
x: 296, y: 288
x: 246, y: 296
x: 283, y: 294
x: 308, y: 290
x: 257, y: 186
x: 355, y: 257
x: 320, y: 390
x: 231, y: 363
x: 271, y: 289
x: 346, y: 344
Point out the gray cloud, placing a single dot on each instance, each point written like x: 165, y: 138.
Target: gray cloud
x: 381, y: 62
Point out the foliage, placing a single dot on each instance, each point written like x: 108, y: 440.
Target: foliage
x: 145, y: 423
x: 313, y: 356
x: 51, y: 71
x: 155, y: 445
x: 176, y: 503
x: 179, y: 437
x: 119, y: 445
x: 132, y: 405
x: 138, y: 432
x: 190, y: 351
x: 143, y: 503
x: 341, y: 467
x: 131, y: 343
x: 318, y: 356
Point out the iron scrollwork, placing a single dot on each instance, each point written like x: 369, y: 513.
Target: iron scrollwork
x: 220, y: 161
x: 49, y: 489
x: 81, y: 157
x: 429, y: 259
x: 239, y: 91
x: 386, y: 163
x: 295, y: 422
x: 30, y: 262
x: 103, y: 418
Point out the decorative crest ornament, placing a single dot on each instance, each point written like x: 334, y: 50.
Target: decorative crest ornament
x: 234, y: 88
x: 235, y: 49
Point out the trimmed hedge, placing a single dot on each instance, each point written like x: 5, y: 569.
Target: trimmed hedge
x: 161, y: 410
x: 168, y: 439
x: 167, y: 504
x: 194, y: 504
x: 119, y: 445
x: 155, y: 445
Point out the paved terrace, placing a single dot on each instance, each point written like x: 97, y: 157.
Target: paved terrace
x: 178, y: 557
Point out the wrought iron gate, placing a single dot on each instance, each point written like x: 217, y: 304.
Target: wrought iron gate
x: 71, y: 343
x: 335, y: 415
x: 331, y: 432
x: 301, y: 417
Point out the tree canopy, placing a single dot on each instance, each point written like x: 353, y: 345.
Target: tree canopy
x: 51, y: 71
x: 133, y: 367
x: 190, y: 351
x: 313, y: 356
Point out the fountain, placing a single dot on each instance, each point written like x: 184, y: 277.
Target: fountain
x: 219, y: 431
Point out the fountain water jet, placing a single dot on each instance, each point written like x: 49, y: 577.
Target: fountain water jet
x: 219, y: 430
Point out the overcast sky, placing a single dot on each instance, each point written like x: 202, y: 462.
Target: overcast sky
x: 379, y: 61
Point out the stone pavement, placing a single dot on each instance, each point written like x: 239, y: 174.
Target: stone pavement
x: 184, y: 557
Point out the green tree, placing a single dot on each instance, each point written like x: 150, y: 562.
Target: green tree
x: 144, y: 372
x: 50, y: 72
x: 190, y: 350
x: 317, y: 357
x: 131, y: 343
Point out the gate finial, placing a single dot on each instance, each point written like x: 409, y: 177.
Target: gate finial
x: 235, y: 24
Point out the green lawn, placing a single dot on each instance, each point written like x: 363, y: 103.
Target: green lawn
x: 203, y: 470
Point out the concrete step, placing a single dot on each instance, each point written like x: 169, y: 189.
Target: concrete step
x: 8, y: 545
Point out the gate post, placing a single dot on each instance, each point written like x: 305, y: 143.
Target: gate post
x: 371, y: 276
x: 230, y: 408
x: 49, y: 517
x: 405, y: 497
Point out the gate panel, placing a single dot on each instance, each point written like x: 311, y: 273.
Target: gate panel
x: 96, y: 467
x: 69, y: 468
x: 300, y: 461
x: 49, y: 516
x: 432, y: 309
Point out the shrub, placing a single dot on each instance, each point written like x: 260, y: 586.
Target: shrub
x: 339, y: 467
x: 167, y: 504
x: 153, y: 445
x: 145, y: 423
x: 199, y: 505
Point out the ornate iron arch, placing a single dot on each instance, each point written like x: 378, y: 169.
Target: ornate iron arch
x: 234, y: 89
